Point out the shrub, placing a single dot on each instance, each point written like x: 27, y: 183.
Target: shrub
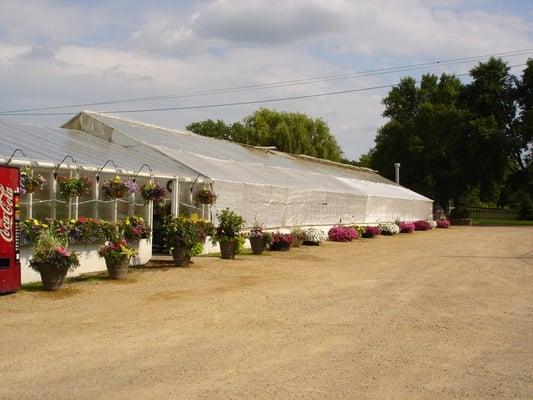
x: 422, y: 225
x: 313, y: 235
x: 389, y: 228
x: 459, y: 213
x: 183, y: 232
x: 443, y: 223
x: 282, y: 238
x: 406, y: 227
x: 340, y: 233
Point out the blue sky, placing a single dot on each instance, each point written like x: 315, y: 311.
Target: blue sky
x: 59, y: 52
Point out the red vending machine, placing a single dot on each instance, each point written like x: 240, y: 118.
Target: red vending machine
x: 9, y: 229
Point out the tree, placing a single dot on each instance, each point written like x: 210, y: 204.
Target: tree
x: 457, y: 141
x: 294, y: 133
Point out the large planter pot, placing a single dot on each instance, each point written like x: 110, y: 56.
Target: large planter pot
x: 181, y: 256
x: 297, y: 242
x: 228, y: 249
x: 368, y: 235
x: 280, y: 246
x: 258, y: 245
x: 117, y: 270
x: 52, y: 277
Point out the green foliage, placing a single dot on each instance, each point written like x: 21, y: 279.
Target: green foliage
x: 229, y: 226
x: 455, y: 141
x: 294, y: 133
x: 51, y: 250
x: 116, y: 252
x: 74, y: 186
x: 186, y: 232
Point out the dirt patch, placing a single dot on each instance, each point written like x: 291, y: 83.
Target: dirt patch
x: 430, y: 315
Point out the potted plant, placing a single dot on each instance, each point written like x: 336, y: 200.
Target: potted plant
x: 422, y: 225
x: 443, y: 223
x: 185, y: 237
x: 117, y: 257
x: 74, y: 186
x: 313, y: 237
x: 371, y: 232
x: 406, y: 227
x: 30, y: 182
x: 205, y: 196
x: 52, y: 260
x: 228, y: 233
x: 117, y: 188
x: 298, y: 235
x: 339, y: 233
x: 259, y: 239
x: 389, y: 229
x: 153, y: 191
x: 281, y: 241
x: 135, y: 228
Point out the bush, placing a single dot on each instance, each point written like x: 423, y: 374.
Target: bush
x: 185, y: 232
x: 422, y: 225
x: 459, y: 213
x: 406, y: 227
x: 340, y: 233
x: 229, y: 227
x: 389, y: 228
x: 443, y: 223
x: 313, y: 235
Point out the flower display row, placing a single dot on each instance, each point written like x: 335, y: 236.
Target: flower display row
x: 85, y: 230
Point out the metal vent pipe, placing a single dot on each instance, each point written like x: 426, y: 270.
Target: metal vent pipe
x: 397, y: 173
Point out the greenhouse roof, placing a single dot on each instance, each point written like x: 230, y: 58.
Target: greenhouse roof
x: 51, y: 145
x: 232, y: 162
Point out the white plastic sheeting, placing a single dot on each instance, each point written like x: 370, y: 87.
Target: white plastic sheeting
x: 271, y: 187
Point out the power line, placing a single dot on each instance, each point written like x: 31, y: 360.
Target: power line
x: 323, y: 78
x: 237, y: 103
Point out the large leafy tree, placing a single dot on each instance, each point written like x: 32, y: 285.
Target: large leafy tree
x: 294, y: 133
x: 457, y: 141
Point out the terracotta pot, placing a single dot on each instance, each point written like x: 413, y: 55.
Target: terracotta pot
x: 258, y: 245
x: 280, y: 246
x: 228, y: 249
x: 52, y: 277
x: 117, y: 270
x: 297, y: 243
x: 181, y: 256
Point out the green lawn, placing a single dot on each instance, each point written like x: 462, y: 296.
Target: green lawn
x: 498, y: 222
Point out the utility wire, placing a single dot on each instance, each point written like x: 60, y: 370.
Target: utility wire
x: 323, y: 78
x: 237, y: 103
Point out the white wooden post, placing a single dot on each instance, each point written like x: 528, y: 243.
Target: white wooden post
x: 29, y: 206
x: 131, y: 204
x: 53, y: 194
x: 175, y: 199
x: 96, y: 196
x: 115, y: 210
x: 76, y: 206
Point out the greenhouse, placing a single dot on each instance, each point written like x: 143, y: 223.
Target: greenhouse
x: 263, y: 185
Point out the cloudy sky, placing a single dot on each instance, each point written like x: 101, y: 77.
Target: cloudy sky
x: 70, y: 52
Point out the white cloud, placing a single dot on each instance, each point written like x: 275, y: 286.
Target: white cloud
x: 10, y: 53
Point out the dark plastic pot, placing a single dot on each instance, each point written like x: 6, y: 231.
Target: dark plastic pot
x: 280, y: 246
x: 310, y: 243
x: 368, y: 235
x: 228, y: 249
x: 52, y: 277
x: 117, y: 270
x: 297, y: 243
x: 181, y: 256
x: 258, y: 245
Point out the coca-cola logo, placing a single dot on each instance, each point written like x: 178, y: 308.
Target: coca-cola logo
x: 7, y: 210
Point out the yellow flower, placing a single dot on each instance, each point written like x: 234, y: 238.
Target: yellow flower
x: 72, y: 221
x: 194, y: 217
x: 44, y: 225
x: 117, y: 178
x: 140, y: 219
x: 127, y: 222
x: 35, y: 222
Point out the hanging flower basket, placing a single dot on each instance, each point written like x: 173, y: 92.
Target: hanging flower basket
x: 30, y: 182
x: 205, y: 196
x: 154, y: 192
x: 74, y: 186
x: 118, y: 188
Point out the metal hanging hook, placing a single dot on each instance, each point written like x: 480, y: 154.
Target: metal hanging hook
x: 61, y: 163
x: 13, y: 155
x: 103, y: 166
x: 140, y: 169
